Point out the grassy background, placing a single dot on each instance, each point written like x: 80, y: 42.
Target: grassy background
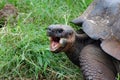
x: 24, y: 47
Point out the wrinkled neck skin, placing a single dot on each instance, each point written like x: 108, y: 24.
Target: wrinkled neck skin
x: 73, y: 53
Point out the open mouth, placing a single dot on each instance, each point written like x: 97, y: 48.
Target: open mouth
x: 54, y: 43
x: 57, y: 44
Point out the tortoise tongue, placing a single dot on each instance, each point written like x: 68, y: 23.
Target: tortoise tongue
x: 54, y: 43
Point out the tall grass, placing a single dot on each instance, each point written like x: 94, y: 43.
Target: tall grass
x: 24, y: 47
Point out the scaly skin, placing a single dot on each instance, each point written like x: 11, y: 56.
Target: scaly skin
x: 83, y: 52
x: 96, y: 65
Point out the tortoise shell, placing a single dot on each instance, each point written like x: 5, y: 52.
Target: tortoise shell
x: 101, y: 21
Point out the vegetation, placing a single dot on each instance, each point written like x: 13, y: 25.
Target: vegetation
x: 24, y: 46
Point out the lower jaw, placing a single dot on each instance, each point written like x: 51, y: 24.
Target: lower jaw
x: 57, y: 50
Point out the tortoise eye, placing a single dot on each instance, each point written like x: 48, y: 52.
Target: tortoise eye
x: 69, y: 32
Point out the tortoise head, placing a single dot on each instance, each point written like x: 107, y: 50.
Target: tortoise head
x: 61, y: 37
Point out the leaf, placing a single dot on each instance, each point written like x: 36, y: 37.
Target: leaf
x: 45, y: 66
x: 40, y: 61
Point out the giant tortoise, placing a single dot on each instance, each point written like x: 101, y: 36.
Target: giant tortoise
x: 96, y: 50
x: 82, y: 51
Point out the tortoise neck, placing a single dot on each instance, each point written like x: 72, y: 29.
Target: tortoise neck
x: 74, y: 51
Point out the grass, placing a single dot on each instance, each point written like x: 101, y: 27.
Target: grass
x: 24, y: 47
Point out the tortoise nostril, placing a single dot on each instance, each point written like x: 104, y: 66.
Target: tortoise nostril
x: 60, y: 30
x: 49, y: 29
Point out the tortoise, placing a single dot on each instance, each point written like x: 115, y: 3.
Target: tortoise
x: 83, y: 51
x: 100, y: 22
